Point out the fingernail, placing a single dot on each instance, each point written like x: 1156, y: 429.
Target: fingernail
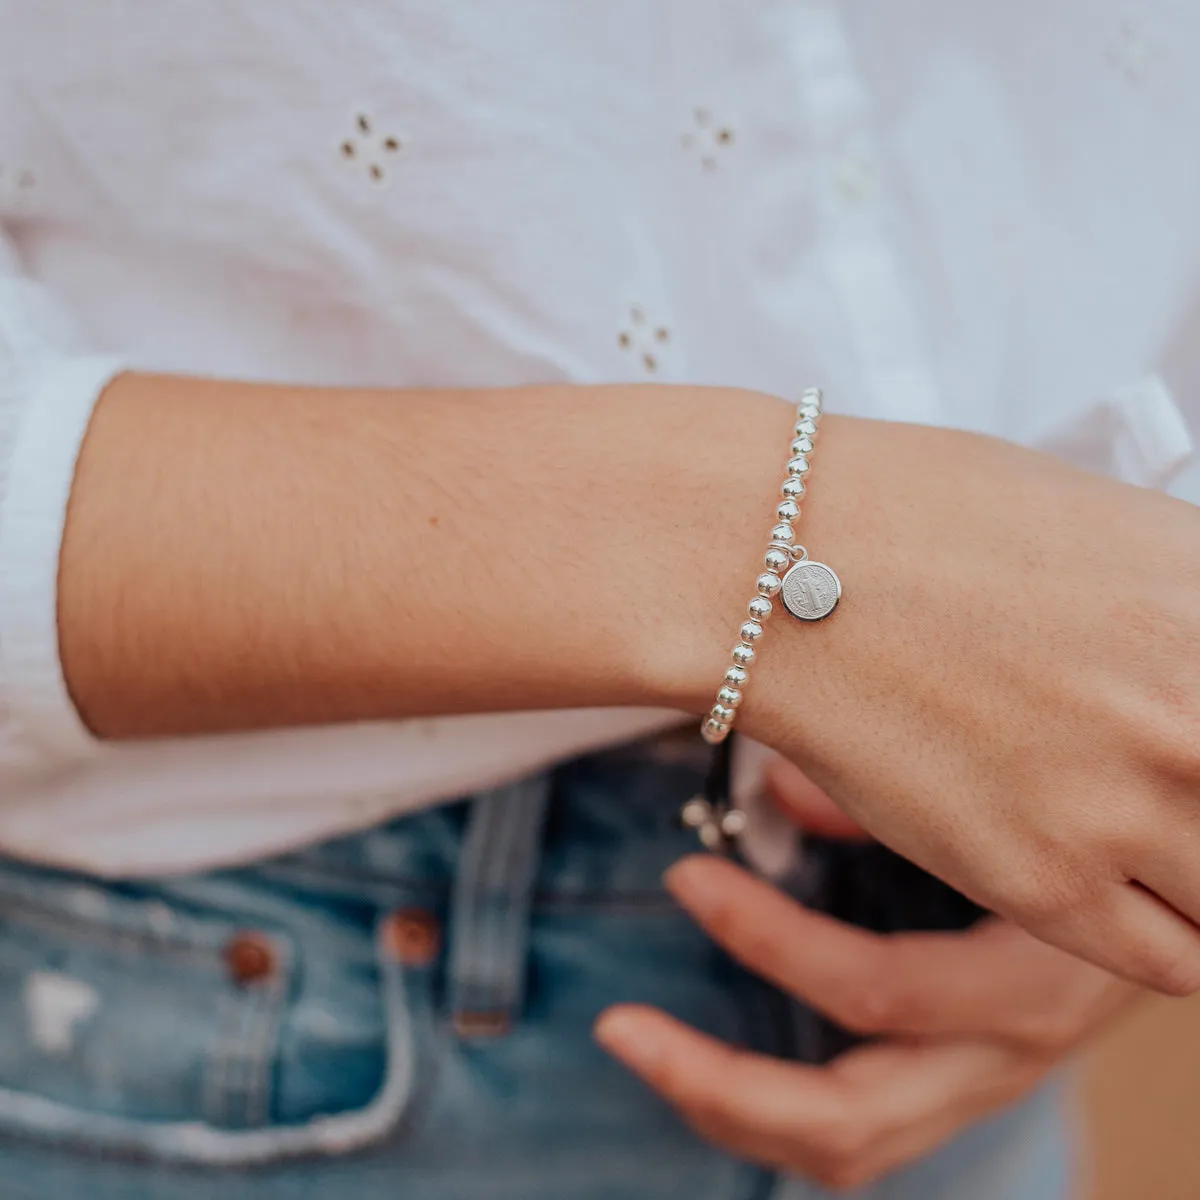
x: 690, y: 881
x: 628, y: 1036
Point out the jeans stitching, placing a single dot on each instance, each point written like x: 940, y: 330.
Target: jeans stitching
x: 133, y: 943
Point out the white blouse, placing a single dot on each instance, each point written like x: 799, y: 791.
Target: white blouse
x: 985, y: 215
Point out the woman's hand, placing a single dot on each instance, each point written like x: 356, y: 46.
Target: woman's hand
x: 1009, y: 691
x: 964, y: 1025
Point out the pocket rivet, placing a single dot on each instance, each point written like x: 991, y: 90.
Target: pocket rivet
x: 412, y: 936
x: 250, y: 957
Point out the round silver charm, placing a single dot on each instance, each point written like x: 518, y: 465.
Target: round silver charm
x: 811, y: 590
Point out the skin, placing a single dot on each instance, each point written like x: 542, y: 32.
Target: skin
x: 1009, y: 693
x: 962, y: 1025
x: 241, y: 556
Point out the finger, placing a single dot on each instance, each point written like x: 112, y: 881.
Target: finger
x: 1170, y: 874
x: 1003, y: 983
x: 813, y: 957
x: 993, y: 981
x: 986, y: 1078
x: 1129, y: 931
x: 708, y: 1079
x: 843, y: 1124
x: 1169, y: 938
x: 799, y: 799
x: 776, y: 1113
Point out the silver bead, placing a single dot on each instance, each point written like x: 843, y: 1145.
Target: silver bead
x: 743, y: 655
x: 713, y: 732
x: 777, y: 560
x: 798, y: 465
x: 789, y: 510
x: 736, y: 676
x: 792, y: 487
x: 695, y: 813
x: 711, y: 837
x: 809, y: 412
x: 751, y: 631
x: 812, y: 395
x: 722, y: 713
x: 733, y: 823
x: 768, y: 584
x: 783, y: 532
x: 802, y: 445
x: 729, y: 696
x: 806, y: 427
x: 760, y: 608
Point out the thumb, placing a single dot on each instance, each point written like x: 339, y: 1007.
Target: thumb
x: 799, y: 799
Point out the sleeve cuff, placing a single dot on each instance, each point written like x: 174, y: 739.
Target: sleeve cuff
x: 57, y: 410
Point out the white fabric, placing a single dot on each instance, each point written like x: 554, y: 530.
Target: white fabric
x: 57, y: 404
x: 972, y: 214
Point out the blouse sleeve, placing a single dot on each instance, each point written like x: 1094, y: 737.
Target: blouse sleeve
x: 49, y: 385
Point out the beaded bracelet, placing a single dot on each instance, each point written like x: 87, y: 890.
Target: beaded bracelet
x: 809, y: 590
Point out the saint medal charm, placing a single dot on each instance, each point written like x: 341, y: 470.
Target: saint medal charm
x: 810, y: 589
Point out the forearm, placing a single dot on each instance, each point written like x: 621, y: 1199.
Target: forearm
x: 239, y: 556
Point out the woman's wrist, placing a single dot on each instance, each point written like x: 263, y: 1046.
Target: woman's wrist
x: 719, y: 579
x: 717, y: 488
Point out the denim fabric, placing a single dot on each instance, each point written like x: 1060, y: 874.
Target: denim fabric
x: 142, y: 1059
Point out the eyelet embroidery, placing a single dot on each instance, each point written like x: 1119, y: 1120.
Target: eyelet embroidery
x: 371, y: 147
x: 17, y: 184
x: 644, y: 339
x: 707, y: 139
x: 855, y: 180
x: 1133, y: 54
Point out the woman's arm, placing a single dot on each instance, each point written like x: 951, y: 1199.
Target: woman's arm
x: 239, y: 556
x: 1009, y: 694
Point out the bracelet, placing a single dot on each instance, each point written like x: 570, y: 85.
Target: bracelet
x: 809, y: 590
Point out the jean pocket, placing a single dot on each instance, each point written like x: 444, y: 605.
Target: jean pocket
x: 140, y: 1025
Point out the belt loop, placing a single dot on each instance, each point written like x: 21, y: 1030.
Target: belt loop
x: 490, y: 907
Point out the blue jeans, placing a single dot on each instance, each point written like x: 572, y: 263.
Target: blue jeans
x: 404, y: 1013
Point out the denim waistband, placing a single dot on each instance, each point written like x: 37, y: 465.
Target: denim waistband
x: 606, y: 827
